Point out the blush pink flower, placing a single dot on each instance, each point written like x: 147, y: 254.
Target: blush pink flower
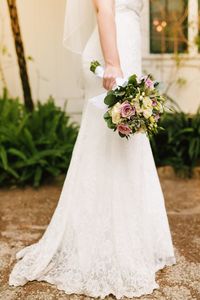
x: 154, y: 102
x: 124, y: 129
x: 157, y: 117
x: 127, y: 110
x: 149, y: 83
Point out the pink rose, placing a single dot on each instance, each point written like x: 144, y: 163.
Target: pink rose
x: 148, y: 82
x: 127, y: 110
x: 124, y: 129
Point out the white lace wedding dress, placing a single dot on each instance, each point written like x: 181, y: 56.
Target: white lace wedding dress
x: 109, y: 232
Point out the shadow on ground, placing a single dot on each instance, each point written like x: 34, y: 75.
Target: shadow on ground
x: 25, y: 213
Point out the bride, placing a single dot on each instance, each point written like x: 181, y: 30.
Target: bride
x: 109, y: 233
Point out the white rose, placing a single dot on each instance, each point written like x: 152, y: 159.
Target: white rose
x: 115, y: 113
x: 147, y: 113
x: 147, y: 102
x: 137, y: 107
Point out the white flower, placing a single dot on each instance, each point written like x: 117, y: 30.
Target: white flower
x: 115, y: 113
x: 147, y: 113
x: 137, y: 106
x: 147, y: 102
x: 159, y: 107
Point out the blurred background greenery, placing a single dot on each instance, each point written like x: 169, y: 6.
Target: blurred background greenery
x: 35, y: 145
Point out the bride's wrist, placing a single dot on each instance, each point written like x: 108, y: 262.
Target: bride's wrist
x: 116, y: 66
x: 113, y: 64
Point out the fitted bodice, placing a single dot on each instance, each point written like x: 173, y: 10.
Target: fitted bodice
x: 135, y: 5
x: 127, y: 19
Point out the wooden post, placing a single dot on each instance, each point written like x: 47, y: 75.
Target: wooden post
x: 20, y: 54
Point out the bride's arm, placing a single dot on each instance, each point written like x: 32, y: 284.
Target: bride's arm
x: 107, y: 32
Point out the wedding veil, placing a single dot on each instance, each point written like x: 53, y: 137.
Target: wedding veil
x: 78, y: 25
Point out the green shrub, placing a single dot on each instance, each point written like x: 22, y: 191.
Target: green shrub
x: 179, y: 144
x: 34, y: 146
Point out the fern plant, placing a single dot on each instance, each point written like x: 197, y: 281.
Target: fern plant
x: 34, y: 145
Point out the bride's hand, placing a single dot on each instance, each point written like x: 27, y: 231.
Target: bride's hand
x: 110, y: 74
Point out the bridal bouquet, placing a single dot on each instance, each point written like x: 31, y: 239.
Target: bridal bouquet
x: 134, y: 104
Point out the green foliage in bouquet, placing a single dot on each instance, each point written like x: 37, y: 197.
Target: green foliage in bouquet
x: 127, y: 91
x: 33, y: 146
x: 179, y: 144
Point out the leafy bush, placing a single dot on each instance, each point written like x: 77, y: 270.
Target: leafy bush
x: 179, y: 144
x: 34, y: 146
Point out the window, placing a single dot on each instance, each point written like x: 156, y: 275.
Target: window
x: 169, y: 26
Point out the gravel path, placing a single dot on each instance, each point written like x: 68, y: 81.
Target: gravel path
x: 24, y: 214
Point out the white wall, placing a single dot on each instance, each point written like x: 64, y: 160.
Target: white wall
x: 51, y: 72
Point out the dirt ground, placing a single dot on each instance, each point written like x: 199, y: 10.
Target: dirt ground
x: 25, y: 213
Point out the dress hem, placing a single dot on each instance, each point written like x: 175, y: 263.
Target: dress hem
x: 171, y: 261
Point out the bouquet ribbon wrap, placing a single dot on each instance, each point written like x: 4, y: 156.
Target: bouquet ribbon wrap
x: 98, y: 70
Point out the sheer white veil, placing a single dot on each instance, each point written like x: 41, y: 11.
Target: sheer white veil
x: 78, y: 25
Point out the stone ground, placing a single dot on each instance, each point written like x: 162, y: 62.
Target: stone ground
x: 24, y: 214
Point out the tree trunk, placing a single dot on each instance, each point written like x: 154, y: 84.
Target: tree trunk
x: 20, y: 54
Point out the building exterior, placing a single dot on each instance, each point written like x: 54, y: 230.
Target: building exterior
x: 170, y: 31
x: 171, y: 48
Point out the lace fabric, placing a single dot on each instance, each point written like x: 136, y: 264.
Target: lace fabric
x: 109, y: 232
